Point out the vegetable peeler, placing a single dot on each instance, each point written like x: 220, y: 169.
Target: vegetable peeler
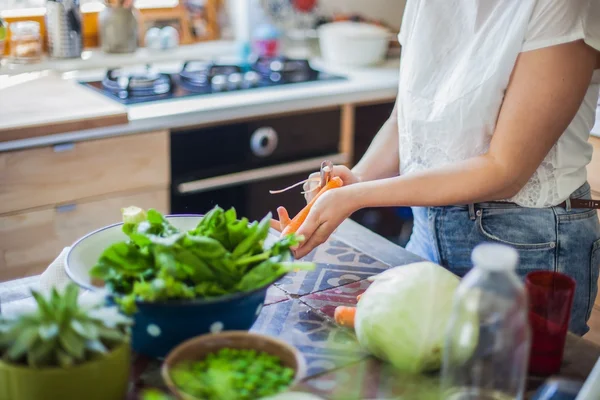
x: 308, y: 185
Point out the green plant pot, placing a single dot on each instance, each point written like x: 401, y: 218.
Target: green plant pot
x: 104, y: 379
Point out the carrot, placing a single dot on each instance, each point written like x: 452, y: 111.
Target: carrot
x: 358, y: 297
x: 297, y: 221
x: 344, y: 316
x: 284, y: 218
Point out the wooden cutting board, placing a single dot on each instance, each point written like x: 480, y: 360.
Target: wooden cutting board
x: 39, y: 104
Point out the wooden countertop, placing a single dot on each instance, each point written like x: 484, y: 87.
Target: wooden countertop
x: 39, y: 104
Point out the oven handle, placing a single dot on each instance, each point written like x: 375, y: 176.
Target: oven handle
x: 259, y: 174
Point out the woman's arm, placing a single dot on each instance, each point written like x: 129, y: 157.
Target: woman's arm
x: 545, y: 92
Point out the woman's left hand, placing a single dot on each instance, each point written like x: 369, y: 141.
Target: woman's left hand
x: 328, y: 212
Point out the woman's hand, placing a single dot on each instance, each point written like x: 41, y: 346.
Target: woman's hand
x: 328, y: 212
x: 347, y: 176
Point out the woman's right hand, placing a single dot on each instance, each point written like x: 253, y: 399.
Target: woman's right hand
x: 347, y: 176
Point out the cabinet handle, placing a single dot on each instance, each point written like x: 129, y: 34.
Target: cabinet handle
x: 259, y: 174
x: 65, y: 208
x: 63, y: 147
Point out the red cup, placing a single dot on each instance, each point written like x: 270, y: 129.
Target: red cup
x: 550, y: 302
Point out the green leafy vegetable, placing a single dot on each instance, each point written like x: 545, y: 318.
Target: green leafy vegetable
x: 221, y: 255
x: 233, y: 374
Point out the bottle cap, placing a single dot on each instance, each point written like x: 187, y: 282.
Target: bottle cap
x: 495, y: 257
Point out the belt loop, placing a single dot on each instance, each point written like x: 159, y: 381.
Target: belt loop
x: 472, y: 212
x: 568, y: 204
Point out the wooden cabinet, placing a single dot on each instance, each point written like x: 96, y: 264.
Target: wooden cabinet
x: 66, y: 173
x: 29, y: 241
x: 51, y: 196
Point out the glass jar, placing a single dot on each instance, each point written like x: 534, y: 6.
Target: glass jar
x: 25, y: 42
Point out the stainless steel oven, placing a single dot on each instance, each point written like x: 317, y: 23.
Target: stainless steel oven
x: 236, y: 165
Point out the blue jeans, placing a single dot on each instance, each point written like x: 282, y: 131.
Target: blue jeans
x: 553, y: 239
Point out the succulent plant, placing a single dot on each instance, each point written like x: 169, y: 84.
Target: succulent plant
x: 62, y: 331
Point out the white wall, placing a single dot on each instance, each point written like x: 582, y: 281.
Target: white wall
x: 389, y: 11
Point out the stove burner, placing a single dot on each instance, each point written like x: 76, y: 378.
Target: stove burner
x: 284, y: 70
x: 137, y: 84
x: 199, y: 78
x: 199, y: 74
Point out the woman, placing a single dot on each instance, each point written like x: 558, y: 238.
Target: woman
x: 488, y: 139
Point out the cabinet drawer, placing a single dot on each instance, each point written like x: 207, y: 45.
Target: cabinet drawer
x: 31, y: 240
x: 66, y: 173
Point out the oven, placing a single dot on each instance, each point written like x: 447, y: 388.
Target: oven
x: 235, y: 165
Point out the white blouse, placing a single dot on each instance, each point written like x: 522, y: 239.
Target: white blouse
x: 457, y: 58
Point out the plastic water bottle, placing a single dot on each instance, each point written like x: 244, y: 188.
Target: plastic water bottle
x: 488, y: 339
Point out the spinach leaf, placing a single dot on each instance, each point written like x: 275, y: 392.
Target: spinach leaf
x: 221, y: 255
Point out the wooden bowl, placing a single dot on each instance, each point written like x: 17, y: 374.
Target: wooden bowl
x: 198, y: 348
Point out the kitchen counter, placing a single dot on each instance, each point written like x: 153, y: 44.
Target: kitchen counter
x: 299, y: 309
x: 361, y: 86
x: 42, y: 104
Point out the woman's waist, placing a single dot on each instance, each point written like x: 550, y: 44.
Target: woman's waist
x: 580, y: 198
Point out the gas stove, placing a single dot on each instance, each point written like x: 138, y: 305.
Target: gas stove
x: 198, y: 78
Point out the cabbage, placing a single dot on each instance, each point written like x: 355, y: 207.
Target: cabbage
x: 403, y: 315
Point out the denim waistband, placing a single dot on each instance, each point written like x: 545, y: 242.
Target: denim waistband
x: 582, y: 192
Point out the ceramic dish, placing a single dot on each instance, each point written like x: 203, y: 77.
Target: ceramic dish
x: 159, y: 327
x: 353, y: 44
x: 198, y: 348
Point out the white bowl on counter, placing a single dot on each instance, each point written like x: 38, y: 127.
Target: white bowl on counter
x: 353, y: 44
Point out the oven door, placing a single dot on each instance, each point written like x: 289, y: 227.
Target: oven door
x: 248, y: 191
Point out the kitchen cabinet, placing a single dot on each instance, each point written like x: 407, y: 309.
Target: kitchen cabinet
x: 65, y: 173
x: 368, y: 119
x: 29, y: 241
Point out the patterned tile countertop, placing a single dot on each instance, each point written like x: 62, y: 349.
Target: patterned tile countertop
x: 299, y: 309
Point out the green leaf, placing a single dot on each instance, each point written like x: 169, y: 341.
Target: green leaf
x: 23, y: 342
x: 205, y: 247
x: 73, y: 344
x: 122, y: 259
x: 71, y: 296
x: 95, y: 346
x: 110, y: 334
x: 258, y: 234
x: 85, y: 329
x: 41, y: 353
x: 268, y: 272
x: 43, y: 305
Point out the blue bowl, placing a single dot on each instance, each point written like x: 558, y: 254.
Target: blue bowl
x: 159, y: 327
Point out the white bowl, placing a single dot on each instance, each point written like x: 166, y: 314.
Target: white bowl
x: 84, y: 254
x: 354, y: 44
